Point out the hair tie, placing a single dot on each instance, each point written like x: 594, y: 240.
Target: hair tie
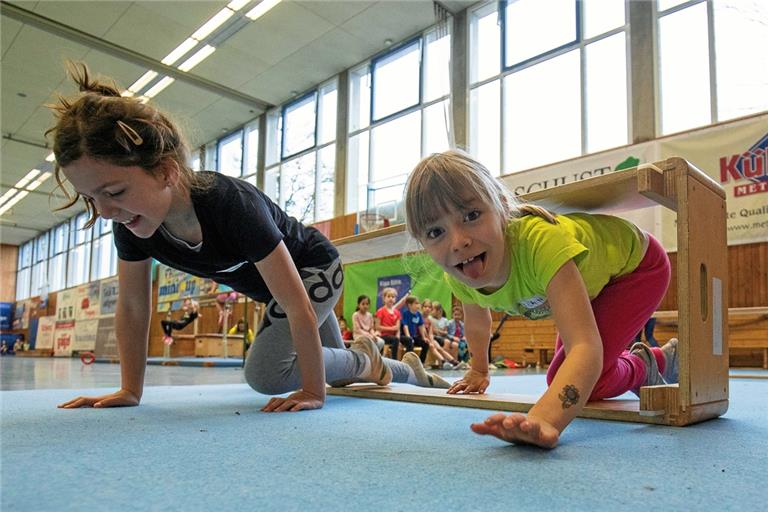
x: 131, y: 133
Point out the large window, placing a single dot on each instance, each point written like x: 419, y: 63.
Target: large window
x: 104, y: 254
x: 57, y: 265
x: 24, y: 270
x: 708, y: 77
x: 79, y: 261
x: 399, y: 112
x: 229, y: 155
x: 546, y: 87
x: 39, y: 282
x: 301, y: 154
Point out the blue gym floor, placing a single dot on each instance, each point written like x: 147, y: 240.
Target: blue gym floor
x: 199, y: 442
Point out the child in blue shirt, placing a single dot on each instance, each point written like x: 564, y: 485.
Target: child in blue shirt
x: 412, y: 327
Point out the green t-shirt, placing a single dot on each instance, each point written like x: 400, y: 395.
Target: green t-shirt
x: 602, y: 246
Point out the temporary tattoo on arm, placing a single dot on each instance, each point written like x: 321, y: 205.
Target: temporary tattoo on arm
x: 570, y: 396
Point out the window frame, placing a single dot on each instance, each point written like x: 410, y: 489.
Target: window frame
x: 417, y: 41
x: 356, y: 73
x: 221, y: 142
x: 298, y: 100
x: 580, y: 45
x: 503, y: 4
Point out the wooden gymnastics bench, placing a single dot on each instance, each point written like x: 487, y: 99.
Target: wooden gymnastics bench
x: 702, y: 287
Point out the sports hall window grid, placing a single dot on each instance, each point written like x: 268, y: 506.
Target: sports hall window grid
x: 67, y: 255
x: 300, y: 157
x: 581, y: 56
x: 693, y: 89
x: 399, y: 112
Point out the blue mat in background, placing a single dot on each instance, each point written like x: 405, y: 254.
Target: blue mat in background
x: 228, y: 362
x: 208, y: 447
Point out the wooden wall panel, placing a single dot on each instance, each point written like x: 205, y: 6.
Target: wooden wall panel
x: 747, y: 273
x: 9, y: 255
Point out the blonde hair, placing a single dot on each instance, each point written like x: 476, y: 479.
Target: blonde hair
x: 441, y: 183
x: 101, y: 124
x: 388, y: 290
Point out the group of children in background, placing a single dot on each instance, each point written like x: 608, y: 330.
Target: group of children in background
x: 411, y: 324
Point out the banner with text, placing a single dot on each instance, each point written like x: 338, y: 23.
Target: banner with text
x: 87, y: 301
x: 45, y: 327
x: 591, y: 166
x: 108, y: 296
x: 735, y: 155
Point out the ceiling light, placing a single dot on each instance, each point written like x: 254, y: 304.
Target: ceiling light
x: 260, y: 9
x: 197, y: 58
x: 212, y: 24
x: 236, y: 5
x: 179, y: 51
x: 26, y: 179
x: 143, y: 81
x: 18, y: 197
x: 159, y: 86
x: 8, y: 195
x: 39, y: 181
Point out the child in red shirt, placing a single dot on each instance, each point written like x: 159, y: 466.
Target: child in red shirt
x: 387, y: 320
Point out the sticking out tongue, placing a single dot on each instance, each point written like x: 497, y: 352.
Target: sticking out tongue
x: 473, y: 268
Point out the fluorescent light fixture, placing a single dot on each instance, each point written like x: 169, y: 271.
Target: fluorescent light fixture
x: 262, y: 8
x: 39, y: 181
x: 26, y: 179
x: 8, y: 195
x: 159, y: 86
x: 18, y: 197
x: 212, y: 24
x: 179, y: 51
x: 197, y: 58
x: 143, y: 81
x: 236, y: 5
x: 50, y: 158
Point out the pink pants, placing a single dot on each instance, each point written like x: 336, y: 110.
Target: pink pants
x: 621, y: 310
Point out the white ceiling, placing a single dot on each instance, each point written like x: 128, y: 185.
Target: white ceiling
x: 293, y: 47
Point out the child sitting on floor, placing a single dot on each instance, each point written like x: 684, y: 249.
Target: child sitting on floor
x: 362, y: 322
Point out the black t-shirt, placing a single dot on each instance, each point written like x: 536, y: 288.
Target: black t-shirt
x: 240, y: 226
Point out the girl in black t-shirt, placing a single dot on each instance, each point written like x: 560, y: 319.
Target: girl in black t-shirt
x: 128, y: 162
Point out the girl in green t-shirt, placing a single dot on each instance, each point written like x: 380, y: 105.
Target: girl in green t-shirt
x: 599, y: 277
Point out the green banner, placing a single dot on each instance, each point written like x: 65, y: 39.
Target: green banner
x: 426, y: 279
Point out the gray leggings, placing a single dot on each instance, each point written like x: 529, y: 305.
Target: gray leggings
x: 271, y: 367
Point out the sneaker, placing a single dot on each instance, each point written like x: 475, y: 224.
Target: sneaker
x: 461, y: 366
x: 652, y: 375
x: 671, y: 362
x: 168, y: 340
x: 447, y: 366
x: 380, y: 372
x: 424, y: 379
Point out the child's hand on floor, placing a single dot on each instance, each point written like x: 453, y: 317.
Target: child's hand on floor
x: 299, y: 401
x: 472, y: 382
x: 519, y: 428
x: 121, y: 398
